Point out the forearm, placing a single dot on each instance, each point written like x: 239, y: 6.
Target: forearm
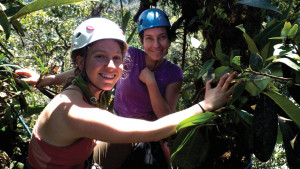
x: 173, y: 120
x: 160, y: 106
x: 58, y: 79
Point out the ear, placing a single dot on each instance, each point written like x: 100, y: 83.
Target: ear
x: 80, y: 62
x: 141, y: 41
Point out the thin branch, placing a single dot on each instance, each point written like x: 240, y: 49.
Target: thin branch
x: 268, y: 75
x: 66, y: 46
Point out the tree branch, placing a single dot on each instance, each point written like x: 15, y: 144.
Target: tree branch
x: 268, y: 75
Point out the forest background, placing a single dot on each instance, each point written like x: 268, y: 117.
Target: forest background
x: 260, y: 39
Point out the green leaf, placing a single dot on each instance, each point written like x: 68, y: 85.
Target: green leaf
x: 220, y: 71
x: 4, y: 23
x: 286, y: 28
x: 18, y: 27
x: 279, y: 136
x: 288, y: 106
x: 264, y: 4
x: 186, y: 138
x: 272, y: 31
x: 237, y: 92
x: 247, y: 117
x: 125, y: 21
x: 257, y: 84
x: 251, y: 44
x: 220, y: 55
x: 131, y: 35
x: 27, y: 88
x: 43, y: 69
x: 41, y: 4
x: 264, y: 52
x: 196, y: 120
x: 206, y: 67
x: 292, y: 33
x: 6, y: 50
x: 289, y: 63
x: 285, y: 50
x: 256, y: 62
x: 236, y: 63
x: 191, y: 148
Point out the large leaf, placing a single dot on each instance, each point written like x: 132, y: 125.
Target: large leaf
x: 289, y: 63
x: 220, y: 55
x: 256, y: 84
x: 273, y: 30
x: 206, y: 67
x: 237, y: 92
x: 256, y: 62
x: 18, y: 27
x: 4, y: 23
x: 191, y: 148
x: 251, y: 44
x: 198, y: 119
x: 125, y: 21
x: 131, y: 35
x: 220, y: 71
x: 236, y: 63
x: 288, y: 106
x: 6, y: 50
x: 264, y: 4
x: 247, y: 117
x: 291, y: 144
x: 41, y: 4
x: 265, y: 128
x: 286, y: 29
x: 265, y: 52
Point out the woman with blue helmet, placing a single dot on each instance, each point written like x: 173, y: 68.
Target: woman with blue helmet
x: 150, y: 85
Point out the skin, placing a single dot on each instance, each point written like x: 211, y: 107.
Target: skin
x: 67, y: 117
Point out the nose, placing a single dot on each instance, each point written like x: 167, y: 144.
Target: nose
x: 157, y: 43
x: 111, y: 64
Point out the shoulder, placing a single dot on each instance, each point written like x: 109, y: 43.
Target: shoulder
x: 135, y: 51
x: 173, y: 67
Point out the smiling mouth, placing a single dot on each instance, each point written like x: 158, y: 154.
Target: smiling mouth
x: 106, y: 76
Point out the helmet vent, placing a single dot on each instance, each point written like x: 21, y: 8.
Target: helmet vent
x: 141, y: 21
x: 78, y: 34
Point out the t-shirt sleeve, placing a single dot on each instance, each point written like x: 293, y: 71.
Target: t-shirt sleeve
x: 177, y: 74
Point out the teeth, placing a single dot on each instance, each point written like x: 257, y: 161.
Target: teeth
x: 107, y: 76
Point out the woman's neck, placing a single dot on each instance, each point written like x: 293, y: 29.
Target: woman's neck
x: 152, y: 64
x: 95, y: 91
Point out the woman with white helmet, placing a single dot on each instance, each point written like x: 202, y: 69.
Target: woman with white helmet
x: 66, y: 131
x: 149, y: 87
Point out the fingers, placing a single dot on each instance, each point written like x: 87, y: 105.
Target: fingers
x: 23, y: 72
x: 222, y: 80
x: 226, y: 80
x: 208, y: 84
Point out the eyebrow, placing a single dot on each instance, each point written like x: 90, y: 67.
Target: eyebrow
x: 104, y: 51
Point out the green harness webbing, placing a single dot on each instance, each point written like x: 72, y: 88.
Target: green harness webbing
x: 78, y: 81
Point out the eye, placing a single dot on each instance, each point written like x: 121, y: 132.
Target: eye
x: 117, y: 57
x: 148, y: 38
x: 164, y: 37
x: 99, y: 56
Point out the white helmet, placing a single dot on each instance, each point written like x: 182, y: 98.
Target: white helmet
x: 94, y: 29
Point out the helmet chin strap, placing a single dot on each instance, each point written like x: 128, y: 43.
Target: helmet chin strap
x: 85, y: 76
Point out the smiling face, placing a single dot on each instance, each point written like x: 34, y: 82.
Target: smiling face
x: 104, y: 64
x: 156, y: 43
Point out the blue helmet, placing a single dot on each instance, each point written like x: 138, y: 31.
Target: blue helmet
x: 152, y: 18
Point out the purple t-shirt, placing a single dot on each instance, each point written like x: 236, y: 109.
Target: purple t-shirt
x: 131, y: 96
